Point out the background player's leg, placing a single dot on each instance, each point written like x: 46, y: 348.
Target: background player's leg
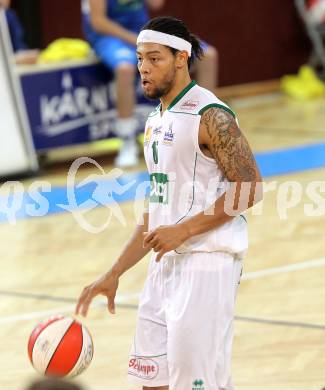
x: 206, y: 70
x: 125, y: 91
x: 121, y: 58
x: 126, y: 125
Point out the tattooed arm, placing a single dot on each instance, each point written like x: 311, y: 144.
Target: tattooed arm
x: 221, y: 139
x: 220, y: 134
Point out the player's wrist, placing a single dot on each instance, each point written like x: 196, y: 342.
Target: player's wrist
x: 115, y: 272
x: 187, y: 231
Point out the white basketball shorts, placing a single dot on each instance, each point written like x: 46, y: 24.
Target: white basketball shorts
x: 184, y: 329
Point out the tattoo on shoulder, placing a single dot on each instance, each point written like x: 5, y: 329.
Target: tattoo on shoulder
x: 228, y: 145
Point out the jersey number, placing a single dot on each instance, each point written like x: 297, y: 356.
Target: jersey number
x: 155, y: 151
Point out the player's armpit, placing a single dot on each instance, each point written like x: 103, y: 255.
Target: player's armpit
x: 220, y: 133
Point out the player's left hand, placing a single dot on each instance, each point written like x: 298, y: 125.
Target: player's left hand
x: 165, y: 238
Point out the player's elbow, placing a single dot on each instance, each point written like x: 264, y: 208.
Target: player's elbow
x: 256, y: 193
x: 96, y: 22
x: 155, y: 5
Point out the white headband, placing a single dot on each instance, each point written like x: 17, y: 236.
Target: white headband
x: 151, y: 36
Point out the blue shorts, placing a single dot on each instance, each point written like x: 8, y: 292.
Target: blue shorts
x: 114, y: 51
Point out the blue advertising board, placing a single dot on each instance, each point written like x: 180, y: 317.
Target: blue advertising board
x: 74, y: 105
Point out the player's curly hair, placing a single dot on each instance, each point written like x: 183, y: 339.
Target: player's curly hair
x: 173, y: 26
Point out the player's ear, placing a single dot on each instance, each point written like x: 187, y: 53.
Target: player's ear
x: 181, y: 59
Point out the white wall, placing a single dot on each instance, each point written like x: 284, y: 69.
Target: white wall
x: 16, y: 150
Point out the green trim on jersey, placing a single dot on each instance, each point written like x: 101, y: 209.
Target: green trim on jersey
x: 155, y: 111
x: 218, y: 106
x: 185, y: 113
x: 244, y: 218
x: 193, y: 197
x: 181, y: 94
x: 149, y: 356
x: 193, y: 193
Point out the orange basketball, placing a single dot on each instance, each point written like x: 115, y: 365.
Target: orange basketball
x: 60, y: 346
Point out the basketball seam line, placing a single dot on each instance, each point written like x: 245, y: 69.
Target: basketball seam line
x: 59, y: 345
x: 82, y: 343
x: 39, y: 336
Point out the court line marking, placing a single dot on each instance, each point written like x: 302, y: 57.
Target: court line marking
x: 284, y: 269
x: 98, y: 302
x: 121, y: 298
x: 69, y: 309
x: 36, y: 314
x: 45, y: 297
x: 292, y: 324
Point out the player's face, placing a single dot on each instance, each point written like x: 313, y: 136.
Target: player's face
x: 156, y: 64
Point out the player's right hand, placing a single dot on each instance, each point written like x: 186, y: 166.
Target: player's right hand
x: 106, y: 285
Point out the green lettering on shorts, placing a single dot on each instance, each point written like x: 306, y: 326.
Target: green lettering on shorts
x: 198, y: 384
x: 159, y: 188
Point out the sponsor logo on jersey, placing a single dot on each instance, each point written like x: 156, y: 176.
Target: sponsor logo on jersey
x: 157, y: 130
x: 143, y: 368
x: 190, y: 105
x: 169, y: 136
x: 198, y: 384
x: 159, y: 188
x: 147, y: 135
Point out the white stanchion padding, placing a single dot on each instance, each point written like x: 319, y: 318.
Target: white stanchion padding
x: 17, y: 153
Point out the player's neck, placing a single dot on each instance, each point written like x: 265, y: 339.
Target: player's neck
x: 178, y: 87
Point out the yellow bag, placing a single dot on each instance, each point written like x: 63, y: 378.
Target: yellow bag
x: 65, y: 49
x: 305, y: 86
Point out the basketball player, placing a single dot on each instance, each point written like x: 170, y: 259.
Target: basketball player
x: 111, y: 27
x: 203, y: 176
x: 22, y: 54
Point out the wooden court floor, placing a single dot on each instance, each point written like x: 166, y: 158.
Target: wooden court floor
x: 280, y: 324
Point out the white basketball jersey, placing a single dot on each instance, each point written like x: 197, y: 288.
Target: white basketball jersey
x: 183, y: 181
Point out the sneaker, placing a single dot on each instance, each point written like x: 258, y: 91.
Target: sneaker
x: 128, y: 155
